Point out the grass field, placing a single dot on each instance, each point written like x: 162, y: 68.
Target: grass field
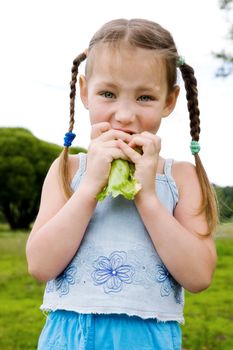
x: 209, y: 315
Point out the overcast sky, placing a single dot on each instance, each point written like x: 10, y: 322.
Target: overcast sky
x: 40, y: 39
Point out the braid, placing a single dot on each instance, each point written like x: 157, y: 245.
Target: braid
x: 74, y: 73
x: 63, y: 165
x: 190, y: 83
x: 209, y: 202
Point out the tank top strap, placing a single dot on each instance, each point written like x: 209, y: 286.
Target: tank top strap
x: 168, y: 168
x: 82, y: 168
x: 82, y: 162
x: 171, y: 182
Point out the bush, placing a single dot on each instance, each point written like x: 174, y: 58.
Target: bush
x: 24, y: 162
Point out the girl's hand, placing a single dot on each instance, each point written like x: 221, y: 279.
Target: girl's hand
x: 102, y: 150
x: 146, y: 163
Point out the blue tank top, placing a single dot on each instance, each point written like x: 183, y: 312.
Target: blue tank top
x: 117, y: 268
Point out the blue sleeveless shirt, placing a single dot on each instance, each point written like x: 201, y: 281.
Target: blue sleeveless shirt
x: 117, y: 269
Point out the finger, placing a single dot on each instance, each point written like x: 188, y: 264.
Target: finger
x: 145, y: 139
x: 156, y: 139
x: 105, y: 144
x: 108, y: 154
x: 113, y: 134
x: 99, y: 128
x: 133, y: 155
x: 117, y: 153
x: 147, y: 144
x: 145, y: 134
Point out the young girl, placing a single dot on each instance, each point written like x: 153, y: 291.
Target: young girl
x: 116, y: 269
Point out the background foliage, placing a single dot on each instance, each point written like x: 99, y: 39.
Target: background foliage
x: 225, y: 55
x: 225, y: 202
x: 24, y: 162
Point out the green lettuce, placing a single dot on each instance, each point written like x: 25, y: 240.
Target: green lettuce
x: 121, y: 181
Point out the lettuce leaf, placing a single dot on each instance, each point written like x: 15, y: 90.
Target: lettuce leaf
x: 121, y: 181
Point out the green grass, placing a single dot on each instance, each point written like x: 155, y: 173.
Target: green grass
x: 208, y: 315
x: 20, y: 296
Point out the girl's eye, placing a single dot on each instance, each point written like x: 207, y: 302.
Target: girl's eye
x: 145, y: 98
x: 107, y: 94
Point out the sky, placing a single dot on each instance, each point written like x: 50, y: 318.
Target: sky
x: 40, y: 38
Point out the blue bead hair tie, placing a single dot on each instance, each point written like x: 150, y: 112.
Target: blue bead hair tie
x: 195, y: 147
x: 69, y: 137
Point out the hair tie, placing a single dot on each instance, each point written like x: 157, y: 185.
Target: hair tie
x: 180, y: 61
x: 195, y: 147
x: 85, y: 52
x: 69, y: 136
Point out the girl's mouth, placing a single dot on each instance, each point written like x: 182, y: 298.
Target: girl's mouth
x: 130, y: 132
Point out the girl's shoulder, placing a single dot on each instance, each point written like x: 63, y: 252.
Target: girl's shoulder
x: 73, y: 166
x: 184, y: 174
x: 183, y: 167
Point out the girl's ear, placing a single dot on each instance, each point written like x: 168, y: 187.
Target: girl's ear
x: 83, y: 90
x: 171, y: 101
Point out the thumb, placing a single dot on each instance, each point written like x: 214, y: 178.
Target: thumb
x: 99, y: 128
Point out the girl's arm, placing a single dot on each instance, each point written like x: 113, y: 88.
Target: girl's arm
x: 189, y: 257
x: 61, y: 224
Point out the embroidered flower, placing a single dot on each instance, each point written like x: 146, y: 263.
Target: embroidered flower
x: 76, y: 272
x: 168, y: 283
x: 65, y: 279
x: 112, y: 272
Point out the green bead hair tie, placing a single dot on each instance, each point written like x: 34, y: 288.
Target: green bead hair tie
x: 195, y: 147
x: 180, y: 61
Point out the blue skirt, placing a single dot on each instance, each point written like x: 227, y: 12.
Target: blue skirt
x: 68, y: 330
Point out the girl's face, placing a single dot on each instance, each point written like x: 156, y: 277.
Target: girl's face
x: 127, y: 88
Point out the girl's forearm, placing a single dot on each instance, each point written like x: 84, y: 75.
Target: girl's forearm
x: 186, y: 256
x: 52, y: 246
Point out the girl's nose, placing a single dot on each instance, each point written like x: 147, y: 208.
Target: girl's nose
x: 125, y: 115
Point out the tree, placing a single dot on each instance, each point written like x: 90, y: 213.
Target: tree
x: 24, y: 162
x: 225, y: 202
x: 227, y: 58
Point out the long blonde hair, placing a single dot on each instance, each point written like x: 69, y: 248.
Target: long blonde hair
x: 149, y: 35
